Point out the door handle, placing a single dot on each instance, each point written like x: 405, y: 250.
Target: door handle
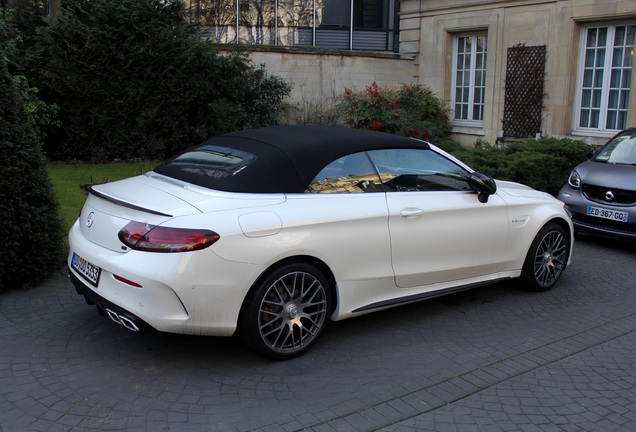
x: 411, y: 212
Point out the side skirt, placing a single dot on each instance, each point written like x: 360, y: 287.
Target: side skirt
x: 426, y: 295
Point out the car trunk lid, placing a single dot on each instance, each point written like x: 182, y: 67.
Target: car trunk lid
x: 109, y: 207
x: 155, y: 199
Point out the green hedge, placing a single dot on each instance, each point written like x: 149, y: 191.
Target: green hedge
x: 544, y: 164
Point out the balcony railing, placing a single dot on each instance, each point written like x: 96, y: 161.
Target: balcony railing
x: 342, y: 38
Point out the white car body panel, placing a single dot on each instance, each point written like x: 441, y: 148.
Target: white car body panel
x: 452, y: 228
x: 180, y: 293
x: 331, y: 235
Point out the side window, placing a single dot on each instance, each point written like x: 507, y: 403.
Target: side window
x: 404, y: 170
x: 349, y: 174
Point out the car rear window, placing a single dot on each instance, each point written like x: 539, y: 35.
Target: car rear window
x: 212, y: 161
x: 234, y: 164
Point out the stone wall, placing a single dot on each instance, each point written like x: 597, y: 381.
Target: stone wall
x: 319, y: 76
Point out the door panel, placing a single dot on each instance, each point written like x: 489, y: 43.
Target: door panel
x: 348, y: 220
x: 439, y: 230
x: 445, y: 236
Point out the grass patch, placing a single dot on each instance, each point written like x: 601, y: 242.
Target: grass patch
x: 67, y: 180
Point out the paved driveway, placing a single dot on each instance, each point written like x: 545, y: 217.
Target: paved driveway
x: 492, y: 359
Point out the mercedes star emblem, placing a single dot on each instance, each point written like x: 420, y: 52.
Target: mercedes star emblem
x: 90, y: 219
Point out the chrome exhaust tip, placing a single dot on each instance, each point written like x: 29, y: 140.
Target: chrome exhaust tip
x: 122, y: 320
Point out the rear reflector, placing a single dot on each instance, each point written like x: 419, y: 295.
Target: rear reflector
x: 152, y: 238
x: 127, y: 281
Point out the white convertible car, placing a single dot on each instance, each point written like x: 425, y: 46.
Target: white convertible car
x: 270, y: 233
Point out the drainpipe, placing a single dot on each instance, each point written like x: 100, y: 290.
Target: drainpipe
x: 276, y: 22
x: 313, y: 30
x: 351, y: 25
x: 236, y: 39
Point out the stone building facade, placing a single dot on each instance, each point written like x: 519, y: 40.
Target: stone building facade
x: 589, y: 87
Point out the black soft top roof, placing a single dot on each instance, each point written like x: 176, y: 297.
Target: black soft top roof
x: 288, y: 157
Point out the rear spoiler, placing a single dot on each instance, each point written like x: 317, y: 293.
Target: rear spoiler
x: 101, y: 195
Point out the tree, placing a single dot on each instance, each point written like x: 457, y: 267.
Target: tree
x: 133, y: 79
x: 30, y: 226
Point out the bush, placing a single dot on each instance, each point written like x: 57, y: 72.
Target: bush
x: 134, y: 80
x: 408, y: 110
x: 30, y: 226
x: 543, y: 165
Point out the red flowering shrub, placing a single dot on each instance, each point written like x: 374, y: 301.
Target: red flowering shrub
x: 409, y: 110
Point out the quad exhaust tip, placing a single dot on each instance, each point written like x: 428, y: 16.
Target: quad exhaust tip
x: 122, y: 320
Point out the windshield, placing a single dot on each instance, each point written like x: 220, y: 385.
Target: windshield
x: 620, y: 150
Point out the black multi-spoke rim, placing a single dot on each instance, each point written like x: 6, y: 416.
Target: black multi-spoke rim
x: 292, y: 312
x: 549, y: 260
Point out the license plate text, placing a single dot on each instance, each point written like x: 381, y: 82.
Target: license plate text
x: 607, y: 214
x: 87, y: 270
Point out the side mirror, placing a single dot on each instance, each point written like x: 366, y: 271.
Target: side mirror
x: 483, y: 184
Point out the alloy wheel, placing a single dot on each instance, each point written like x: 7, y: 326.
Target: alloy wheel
x: 292, y: 312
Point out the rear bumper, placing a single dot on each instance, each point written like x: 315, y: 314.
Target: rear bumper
x: 190, y: 293
x: 116, y: 313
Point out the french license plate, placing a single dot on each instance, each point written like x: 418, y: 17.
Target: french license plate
x: 87, y: 270
x: 607, y: 214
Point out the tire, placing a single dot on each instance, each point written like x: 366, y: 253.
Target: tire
x: 286, y: 311
x: 546, y: 259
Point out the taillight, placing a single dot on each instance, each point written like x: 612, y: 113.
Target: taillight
x: 152, y: 238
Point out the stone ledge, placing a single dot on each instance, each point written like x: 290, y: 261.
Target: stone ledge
x: 311, y: 51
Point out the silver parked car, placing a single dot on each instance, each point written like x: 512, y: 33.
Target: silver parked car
x: 601, y: 192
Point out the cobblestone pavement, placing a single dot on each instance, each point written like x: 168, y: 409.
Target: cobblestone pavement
x: 493, y: 359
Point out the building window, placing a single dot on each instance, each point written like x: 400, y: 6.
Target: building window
x: 605, y: 74
x: 345, y: 24
x: 469, y: 79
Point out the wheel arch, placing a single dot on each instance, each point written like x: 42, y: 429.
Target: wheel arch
x: 543, y: 264
x: 566, y: 227
x: 306, y: 259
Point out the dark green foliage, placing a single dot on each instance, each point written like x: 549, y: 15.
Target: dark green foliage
x: 543, y: 165
x: 30, y: 227
x: 134, y: 80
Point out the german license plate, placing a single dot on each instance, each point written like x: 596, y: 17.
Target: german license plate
x: 87, y: 270
x: 607, y: 214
